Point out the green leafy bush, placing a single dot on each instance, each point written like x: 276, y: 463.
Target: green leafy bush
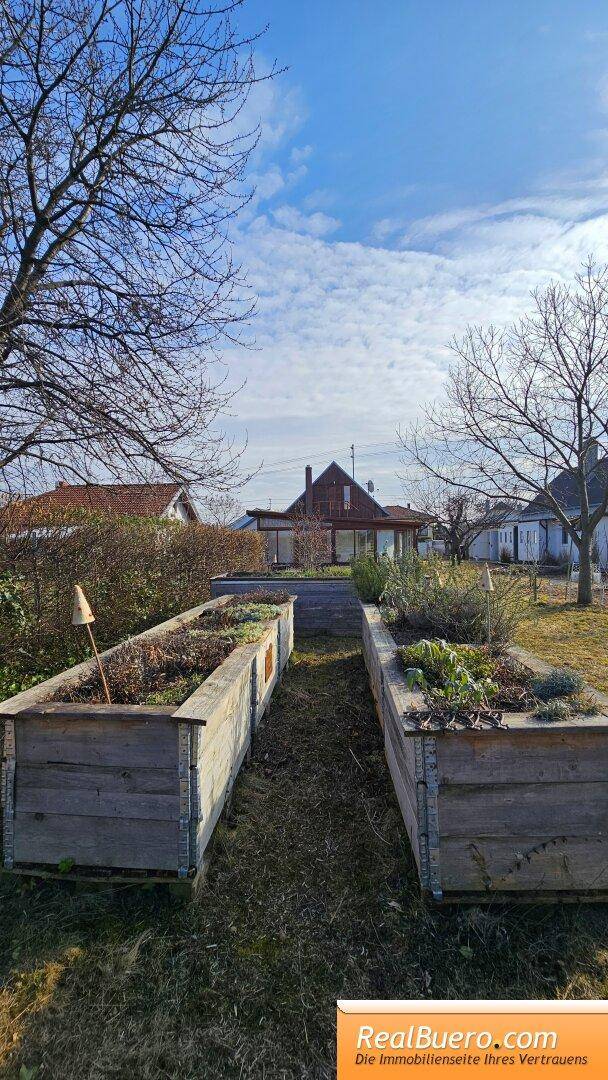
x: 370, y: 576
x: 446, y: 675
x: 477, y: 659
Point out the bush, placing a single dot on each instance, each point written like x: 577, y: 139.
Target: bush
x: 557, y: 684
x: 135, y: 572
x: 505, y: 555
x: 439, y: 600
x: 370, y: 576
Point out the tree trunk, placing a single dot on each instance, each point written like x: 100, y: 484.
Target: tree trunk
x: 585, y: 583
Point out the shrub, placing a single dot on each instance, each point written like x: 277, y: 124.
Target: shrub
x: 505, y: 555
x: 445, y: 601
x: 557, y: 684
x: 584, y: 705
x: 135, y: 572
x: 370, y: 577
x: 555, y: 709
x: 477, y: 660
x: 260, y: 596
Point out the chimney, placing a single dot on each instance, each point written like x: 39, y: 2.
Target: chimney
x: 309, y: 499
x: 61, y: 484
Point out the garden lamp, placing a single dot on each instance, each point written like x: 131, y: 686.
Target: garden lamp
x: 83, y: 616
x: 488, y: 587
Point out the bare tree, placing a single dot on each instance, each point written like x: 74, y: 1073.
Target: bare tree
x: 222, y: 509
x: 311, y: 541
x: 526, y: 404
x: 462, y: 514
x: 121, y: 159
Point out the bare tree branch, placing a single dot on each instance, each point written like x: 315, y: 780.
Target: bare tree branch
x: 524, y: 404
x: 122, y: 156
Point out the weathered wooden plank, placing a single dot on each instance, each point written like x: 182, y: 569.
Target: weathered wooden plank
x: 76, y: 710
x: 545, y: 861
x: 543, y: 757
x: 96, y: 841
x: 134, y: 743
x: 408, y: 810
x: 581, y: 809
x: 87, y: 802
x: 404, y: 754
x: 108, y: 779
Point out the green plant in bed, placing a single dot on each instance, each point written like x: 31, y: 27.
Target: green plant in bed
x: 452, y: 676
x: 557, y: 684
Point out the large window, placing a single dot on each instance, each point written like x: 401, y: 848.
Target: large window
x: 285, y: 546
x: 271, y: 546
x: 279, y: 546
x: 345, y: 545
x: 386, y: 542
x: 364, y: 542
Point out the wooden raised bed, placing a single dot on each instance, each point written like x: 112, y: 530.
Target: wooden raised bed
x: 322, y: 605
x: 132, y: 791
x: 520, y: 814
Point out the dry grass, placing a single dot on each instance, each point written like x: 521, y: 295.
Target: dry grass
x: 568, y: 636
x: 311, y: 896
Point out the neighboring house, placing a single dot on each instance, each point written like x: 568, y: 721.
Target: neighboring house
x: 356, y: 524
x: 139, y: 500
x: 432, y: 539
x: 243, y: 522
x: 497, y: 534
x: 532, y: 532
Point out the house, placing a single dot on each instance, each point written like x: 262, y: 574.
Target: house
x: 533, y: 533
x: 355, y: 522
x: 497, y: 533
x: 169, y: 500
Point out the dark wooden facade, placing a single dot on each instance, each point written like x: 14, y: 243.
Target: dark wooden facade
x: 356, y: 523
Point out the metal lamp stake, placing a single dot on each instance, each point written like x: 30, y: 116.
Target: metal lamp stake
x: 488, y: 587
x: 83, y: 616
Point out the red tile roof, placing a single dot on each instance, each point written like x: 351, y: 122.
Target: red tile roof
x: 140, y: 500
x: 402, y: 512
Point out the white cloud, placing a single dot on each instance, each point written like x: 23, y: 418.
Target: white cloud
x: 352, y: 339
x: 300, y: 154
x: 317, y: 224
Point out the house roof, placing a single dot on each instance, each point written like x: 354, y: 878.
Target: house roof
x: 348, y: 479
x: 139, y: 500
x: 564, y: 489
x: 499, y: 512
x: 403, y: 512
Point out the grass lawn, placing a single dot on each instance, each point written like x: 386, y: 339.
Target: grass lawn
x: 311, y: 896
x: 566, y: 635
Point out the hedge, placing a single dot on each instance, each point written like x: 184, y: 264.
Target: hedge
x: 135, y: 572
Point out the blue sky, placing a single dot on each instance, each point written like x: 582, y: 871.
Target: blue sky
x: 421, y: 166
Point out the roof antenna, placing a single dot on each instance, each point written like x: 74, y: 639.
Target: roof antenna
x: 352, y: 454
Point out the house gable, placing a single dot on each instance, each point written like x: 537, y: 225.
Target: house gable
x: 337, y: 496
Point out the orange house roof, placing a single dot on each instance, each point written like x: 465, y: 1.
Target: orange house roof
x: 139, y: 500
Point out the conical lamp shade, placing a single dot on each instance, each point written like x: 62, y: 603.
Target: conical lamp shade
x: 82, y: 613
x: 486, y: 579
